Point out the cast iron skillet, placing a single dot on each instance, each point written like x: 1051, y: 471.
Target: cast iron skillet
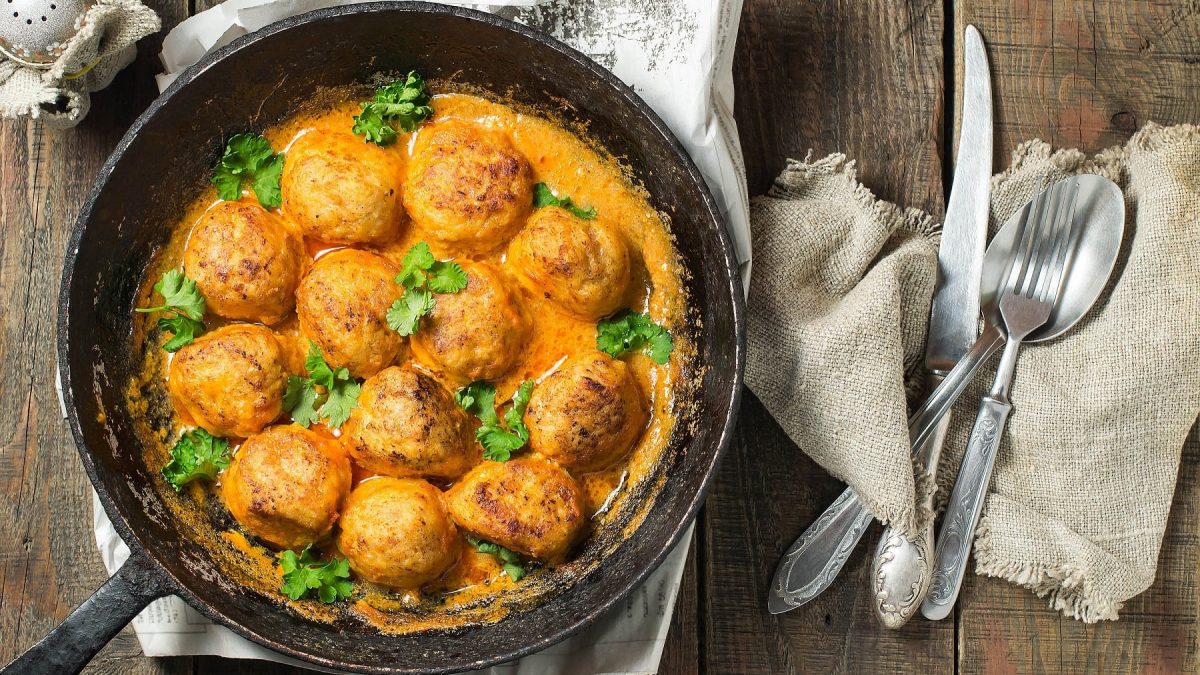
x: 161, y: 164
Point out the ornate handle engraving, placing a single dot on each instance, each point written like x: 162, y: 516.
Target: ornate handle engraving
x: 814, y: 560
x: 966, y: 504
x: 900, y: 575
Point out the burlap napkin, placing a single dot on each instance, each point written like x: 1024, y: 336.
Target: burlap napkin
x: 1079, y: 499
x: 90, y: 60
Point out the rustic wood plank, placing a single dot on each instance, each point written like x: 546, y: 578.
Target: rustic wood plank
x: 682, y: 651
x: 1086, y: 75
x: 864, y: 78
x: 48, y: 558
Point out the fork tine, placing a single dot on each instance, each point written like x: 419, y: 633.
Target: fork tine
x: 1045, y: 231
x: 1061, y: 220
x: 1065, y: 252
x: 1029, y: 230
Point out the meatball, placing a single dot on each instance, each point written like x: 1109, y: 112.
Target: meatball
x: 530, y: 506
x: 406, y: 424
x: 245, y: 262
x: 229, y: 381
x: 467, y: 185
x: 396, y: 532
x: 582, y: 265
x: 587, y: 414
x: 338, y: 189
x: 286, y: 484
x: 342, y: 305
x: 477, y: 333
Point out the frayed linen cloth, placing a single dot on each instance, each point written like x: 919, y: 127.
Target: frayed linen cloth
x: 1086, y: 470
x: 105, y: 44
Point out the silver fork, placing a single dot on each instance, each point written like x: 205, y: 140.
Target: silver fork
x: 1035, y: 279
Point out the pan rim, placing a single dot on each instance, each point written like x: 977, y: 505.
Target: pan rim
x: 727, y: 264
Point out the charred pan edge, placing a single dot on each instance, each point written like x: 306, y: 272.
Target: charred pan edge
x: 727, y: 264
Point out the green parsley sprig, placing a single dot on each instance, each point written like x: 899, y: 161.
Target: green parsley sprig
x: 405, y: 102
x: 197, y: 455
x: 326, y: 393
x: 509, y: 560
x: 630, y: 331
x: 304, y: 573
x: 249, y: 157
x: 499, y: 438
x: 544, y: 196
x: 422, y: 275
x: 184, y: 304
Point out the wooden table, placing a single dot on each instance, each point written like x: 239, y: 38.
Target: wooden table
x: 875, y: 79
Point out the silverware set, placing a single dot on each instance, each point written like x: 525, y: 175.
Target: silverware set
x: 1041, y: 273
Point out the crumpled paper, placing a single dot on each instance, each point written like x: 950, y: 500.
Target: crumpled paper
x: 105, y: 44
x: 678, y: 57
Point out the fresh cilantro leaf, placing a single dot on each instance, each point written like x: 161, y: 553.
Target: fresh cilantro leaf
x: 305, y: 573
x: 300, y: 400
x: 249, y: 157
x: 370, y: 125
x: 446, y: 277
x: 405, y: 102
x: 404, y: 316
x: 196, y: 455
x: 510, y: 561
x: 326, y: 393
x: 544, y: 196
x: 185, y: 307
x: 630, y: 331
x: 422, y: 275
x: 499, y: 440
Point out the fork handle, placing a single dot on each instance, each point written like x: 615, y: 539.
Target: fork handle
x: 924, y: 422
x: 966, y: 503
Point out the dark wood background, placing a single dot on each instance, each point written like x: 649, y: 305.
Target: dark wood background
x: 875, y: 79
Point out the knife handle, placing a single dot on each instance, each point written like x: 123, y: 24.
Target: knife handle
x: 814, y: 560
x: 902, y: 567
x: 924, y: 422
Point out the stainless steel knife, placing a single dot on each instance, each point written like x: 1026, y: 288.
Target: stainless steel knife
x: 902, y: 567
x: 810, y: 565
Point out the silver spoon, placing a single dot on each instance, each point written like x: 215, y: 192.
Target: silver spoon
x: 810, y: 564
x: 1078, y: 254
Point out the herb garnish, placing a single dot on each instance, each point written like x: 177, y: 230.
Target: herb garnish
x: 249, y: 156
x: 499, y: 438
x: 196, y: 455
x: 544, y: 196
x: 512, y: 564
x: 303, y: 573
x: 422, y: 275
x: 325, y: 394
x: 630, y: 331
x: 183, y: 301
x: 405, y: 102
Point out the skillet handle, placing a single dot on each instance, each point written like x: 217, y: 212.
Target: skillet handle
x: 69, y: 647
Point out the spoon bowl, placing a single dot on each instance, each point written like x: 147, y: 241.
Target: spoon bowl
x: 1101, y: 206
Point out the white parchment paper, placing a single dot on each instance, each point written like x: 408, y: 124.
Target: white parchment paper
x: 678, y: 56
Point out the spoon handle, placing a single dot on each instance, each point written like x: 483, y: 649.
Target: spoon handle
x: 924, y: 422
x: 966, y: 504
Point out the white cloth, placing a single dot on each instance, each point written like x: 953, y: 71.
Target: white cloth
x: 678, y: 57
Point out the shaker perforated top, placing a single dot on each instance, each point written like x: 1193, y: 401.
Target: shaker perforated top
x: 35, y: 32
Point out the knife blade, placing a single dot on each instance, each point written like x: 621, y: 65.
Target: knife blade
x: 902, y: 566
x: 810, y: 564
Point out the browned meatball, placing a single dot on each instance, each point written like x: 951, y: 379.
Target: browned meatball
x: 285, y: 485
x: 530, y: 506
x: 582, y: 265
x: 406, y: 424
x: 467, y: 185
x: 587, y: 414
x: 245, y: 262
x: 229, y: 381
x: 396, y: 532
x: 477, y: 333
x: 342, y: 304
x: 338, y: 189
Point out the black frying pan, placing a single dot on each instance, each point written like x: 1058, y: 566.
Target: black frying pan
x: 161, y: 164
